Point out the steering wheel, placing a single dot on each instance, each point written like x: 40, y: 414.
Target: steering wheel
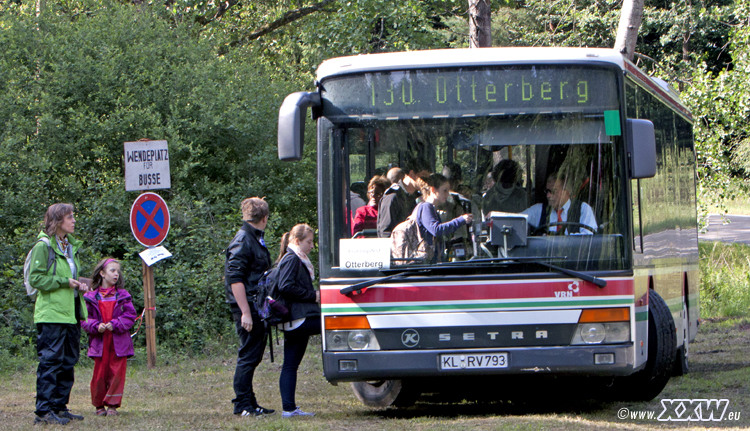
x: 564, y: 224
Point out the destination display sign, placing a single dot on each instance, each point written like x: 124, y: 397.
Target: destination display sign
x: 451, y: 93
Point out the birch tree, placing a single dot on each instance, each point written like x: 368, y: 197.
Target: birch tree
x: 630, y: 21
x: 480, y: 28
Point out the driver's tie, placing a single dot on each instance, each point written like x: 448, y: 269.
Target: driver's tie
x: 559, y: 219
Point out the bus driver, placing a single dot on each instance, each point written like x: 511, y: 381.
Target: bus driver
x: 561, y: 214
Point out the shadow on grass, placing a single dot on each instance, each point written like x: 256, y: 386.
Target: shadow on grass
x: 428, y: 407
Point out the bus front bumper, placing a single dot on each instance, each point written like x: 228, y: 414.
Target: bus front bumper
x: 402, y: 364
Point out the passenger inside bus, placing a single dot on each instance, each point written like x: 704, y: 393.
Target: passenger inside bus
x: 366, y: 218
x: 399, y: 200
x: 561, y: 214
x: 456, y: 204
x: 506, y: 194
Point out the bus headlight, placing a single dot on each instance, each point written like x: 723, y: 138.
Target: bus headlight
x: 359, y: 339
x: 601, y: 333
x: 592, y: 333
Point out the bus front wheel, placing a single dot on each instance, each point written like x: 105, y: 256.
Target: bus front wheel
x: 385, y: 393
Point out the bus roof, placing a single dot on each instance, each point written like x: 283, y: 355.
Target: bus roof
x: 494, y: 56
x: 464, y: 57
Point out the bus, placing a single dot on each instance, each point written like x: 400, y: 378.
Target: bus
x: 512, y: 295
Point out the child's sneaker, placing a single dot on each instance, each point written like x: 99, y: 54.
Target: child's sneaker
x: 297, y: 412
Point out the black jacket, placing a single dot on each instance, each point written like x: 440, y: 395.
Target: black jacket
x: 395, y: 207
x: 295, y: 286
x: 246, y: 261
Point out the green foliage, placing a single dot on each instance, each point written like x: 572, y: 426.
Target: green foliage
x: 725, y: 280
x: 72, y: 91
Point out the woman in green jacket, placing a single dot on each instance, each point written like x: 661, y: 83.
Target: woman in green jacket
x: 58, y: 311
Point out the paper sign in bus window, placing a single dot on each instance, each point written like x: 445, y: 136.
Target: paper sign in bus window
x: 365, y: 254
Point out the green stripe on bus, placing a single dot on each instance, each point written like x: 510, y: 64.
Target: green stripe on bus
x: 465, y: 307
x: 640, y: 317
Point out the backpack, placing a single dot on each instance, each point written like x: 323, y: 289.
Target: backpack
x: 407, y: 242
x: 31, y: 290
x: 271, y: 307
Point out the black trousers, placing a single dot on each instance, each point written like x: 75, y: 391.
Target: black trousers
x: 249, y: 355
x: 295, y: 345
x: 58, y: 346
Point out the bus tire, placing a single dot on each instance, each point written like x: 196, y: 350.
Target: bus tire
x: 681, y: 360
x: 646, y: 384
x: 385, y: 393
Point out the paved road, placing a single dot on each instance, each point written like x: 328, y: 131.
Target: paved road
x: 737, y: 230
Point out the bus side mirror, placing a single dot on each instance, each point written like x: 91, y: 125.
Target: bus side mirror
x: 642, y: 148
x: 291, y: 133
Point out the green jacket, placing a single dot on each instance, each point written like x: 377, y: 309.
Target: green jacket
x: 54, y: 299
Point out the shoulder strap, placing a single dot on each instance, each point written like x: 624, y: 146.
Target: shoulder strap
x: 574, y: 215
x: 544, y: 218
x: 51, y: 259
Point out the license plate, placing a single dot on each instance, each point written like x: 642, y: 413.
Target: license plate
x: 474, y: 361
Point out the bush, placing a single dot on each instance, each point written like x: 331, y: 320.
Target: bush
x: 72, y: 91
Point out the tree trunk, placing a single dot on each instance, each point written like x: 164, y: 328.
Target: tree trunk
x: 480, y: 34
x: 630, y: 21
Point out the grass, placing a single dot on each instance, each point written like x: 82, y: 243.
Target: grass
x: 725, y: 279
x: 190, y: 394
x: 184, y: 393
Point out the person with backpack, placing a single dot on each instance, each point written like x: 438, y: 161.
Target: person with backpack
x: 435, y: 190
x: 295, y: 283
x: 111, y: 315
x: 58, y: 312
x: 247, y: 259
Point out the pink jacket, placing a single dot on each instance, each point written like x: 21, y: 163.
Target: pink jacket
x: 123, y: 318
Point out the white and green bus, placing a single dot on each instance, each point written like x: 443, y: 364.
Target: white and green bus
x: 515, y: 294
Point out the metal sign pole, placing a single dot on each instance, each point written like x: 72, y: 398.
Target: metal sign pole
x: 149, y: 299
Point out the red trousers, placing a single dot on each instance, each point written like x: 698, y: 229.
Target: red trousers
x: 108, y: 382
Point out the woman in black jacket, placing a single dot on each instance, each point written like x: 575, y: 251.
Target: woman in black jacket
x: 296, y: 275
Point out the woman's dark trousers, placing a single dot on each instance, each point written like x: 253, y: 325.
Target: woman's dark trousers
x: 295, y: 344
x: 58, y: 348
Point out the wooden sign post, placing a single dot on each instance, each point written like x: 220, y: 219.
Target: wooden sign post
x: 149, y: 299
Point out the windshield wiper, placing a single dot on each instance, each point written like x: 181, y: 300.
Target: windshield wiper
x: 365, y: 284
x: 583, y: 276
x: 539, y: 260
x: 477, y: 263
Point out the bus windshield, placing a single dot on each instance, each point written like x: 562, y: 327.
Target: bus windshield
x: 533, y: 153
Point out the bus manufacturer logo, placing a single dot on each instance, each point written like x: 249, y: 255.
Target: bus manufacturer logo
x: 410, y: 338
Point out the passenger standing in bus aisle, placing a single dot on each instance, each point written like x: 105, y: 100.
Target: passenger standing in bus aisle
x: 58, y: 312
x: 399, y: 200
x: 367, y: 216
x: 247, y: 258
x: 506, y: 195
x: 435, y: 190
x: 561, y: 208
x: 395, y: 175
x: 296, y: 275
x: 457, y: 202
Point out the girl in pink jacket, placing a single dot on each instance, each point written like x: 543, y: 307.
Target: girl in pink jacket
x: 111, y: 315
